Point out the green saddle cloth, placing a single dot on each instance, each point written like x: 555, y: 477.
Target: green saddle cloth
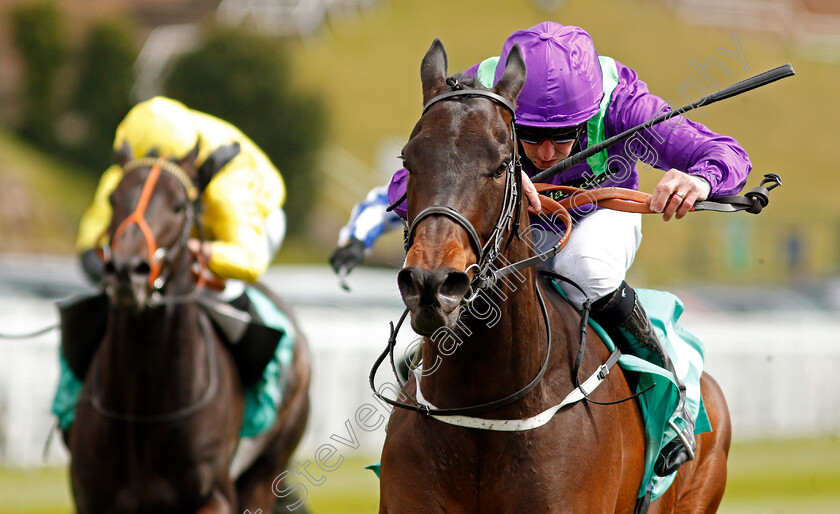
x: 659, y: 403
x: 261, y: 399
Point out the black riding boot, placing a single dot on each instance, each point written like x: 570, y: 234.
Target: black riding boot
x: 623, y: 317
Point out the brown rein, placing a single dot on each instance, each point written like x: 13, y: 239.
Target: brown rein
x: 630, y: 200
x: 615, y: 198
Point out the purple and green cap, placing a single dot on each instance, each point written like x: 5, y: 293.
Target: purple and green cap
x: 564, y: 85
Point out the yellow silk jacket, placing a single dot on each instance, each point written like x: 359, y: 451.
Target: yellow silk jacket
x: 237, y: 201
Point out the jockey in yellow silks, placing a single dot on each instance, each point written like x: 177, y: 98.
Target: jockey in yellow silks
x: 242, y: 213
x: 243, y: 227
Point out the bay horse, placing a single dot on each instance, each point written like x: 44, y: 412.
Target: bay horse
x: 511, y: 358
x: 159, y: 416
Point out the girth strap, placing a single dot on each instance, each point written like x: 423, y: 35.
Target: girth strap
x: 520, y: 425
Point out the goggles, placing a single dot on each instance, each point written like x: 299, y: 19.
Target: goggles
x: 535, y: 135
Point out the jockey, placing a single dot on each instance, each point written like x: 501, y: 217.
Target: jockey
x: 242, y: 218
x: 368, y: 220
x: 242, y: 212
x: 573, y: 98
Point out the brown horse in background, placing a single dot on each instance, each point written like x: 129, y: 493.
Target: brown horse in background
x: 158, y: 420
x: 587, y: 457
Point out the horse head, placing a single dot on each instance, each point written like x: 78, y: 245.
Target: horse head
x: 462, y: 186
x: 153, y: 211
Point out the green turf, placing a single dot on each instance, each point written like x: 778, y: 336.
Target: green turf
x: 34, y: 491
x: 791, y: 476
x: 784, y: 477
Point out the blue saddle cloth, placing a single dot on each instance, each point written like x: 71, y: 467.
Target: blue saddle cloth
x: 261, y: 399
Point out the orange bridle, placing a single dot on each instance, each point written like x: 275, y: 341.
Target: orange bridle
x: 156, y: 254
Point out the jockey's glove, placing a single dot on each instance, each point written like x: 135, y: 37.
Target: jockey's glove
x: 348, y: 256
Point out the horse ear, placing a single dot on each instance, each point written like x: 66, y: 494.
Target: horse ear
x: 188, y: 161
x: 217, y: 160
x: 513, y: 77
x: 433, y: 70
x: 124, y: 154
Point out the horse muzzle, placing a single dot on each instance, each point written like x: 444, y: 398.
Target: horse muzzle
x: 126, y: 282
x: 432, y: 296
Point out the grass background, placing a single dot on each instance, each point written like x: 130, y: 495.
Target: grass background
x: 767, y: 477
x: 366, y: 68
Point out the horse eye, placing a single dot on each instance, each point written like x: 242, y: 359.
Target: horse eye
x: 501, y: 170
x: 180, y: 207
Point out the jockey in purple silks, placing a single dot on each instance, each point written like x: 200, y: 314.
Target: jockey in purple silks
x: 574, y: 98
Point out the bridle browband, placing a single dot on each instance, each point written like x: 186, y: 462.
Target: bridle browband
x: 470, y: 92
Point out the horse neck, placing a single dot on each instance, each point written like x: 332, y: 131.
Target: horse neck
x: 497, y: 346
x: 154, y: 358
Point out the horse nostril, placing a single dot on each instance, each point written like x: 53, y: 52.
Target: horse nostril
x: 406, y: 283
x: 455, y: 285
x: 142, y: 268
x: 109, y: 268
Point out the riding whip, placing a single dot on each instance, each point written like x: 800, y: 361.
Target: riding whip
x: 762, y: 79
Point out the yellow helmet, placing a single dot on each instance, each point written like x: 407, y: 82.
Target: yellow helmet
x: 159, y: 124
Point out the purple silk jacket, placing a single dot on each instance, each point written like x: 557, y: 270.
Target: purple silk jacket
x: 677, y: 143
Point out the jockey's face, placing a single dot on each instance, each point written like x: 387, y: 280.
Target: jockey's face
x: 547, y: 153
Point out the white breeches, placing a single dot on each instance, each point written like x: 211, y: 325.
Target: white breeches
x: 600, y: 250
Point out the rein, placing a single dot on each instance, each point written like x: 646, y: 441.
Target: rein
x: 430, y: 410
x: 630, y: 200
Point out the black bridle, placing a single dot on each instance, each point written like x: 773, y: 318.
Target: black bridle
x: 509, y: 216
x: 487, y: 254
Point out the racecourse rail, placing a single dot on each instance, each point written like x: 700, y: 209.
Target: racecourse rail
x: 780, y: 371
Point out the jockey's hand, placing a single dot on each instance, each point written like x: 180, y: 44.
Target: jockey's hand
x: 676, y: 193
x: 534, y: 205
x: 348, y: 256
x: 201, y: 249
